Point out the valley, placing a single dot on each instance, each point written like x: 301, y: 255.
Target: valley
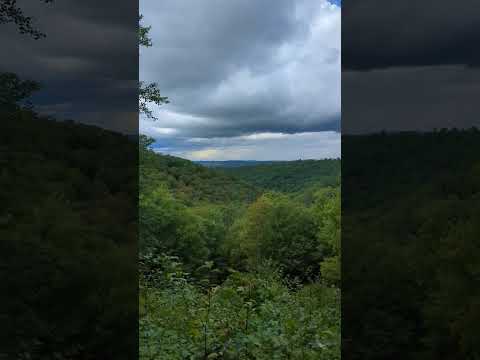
x: 236, y: 266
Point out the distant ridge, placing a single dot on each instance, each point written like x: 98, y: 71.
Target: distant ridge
x: 232, y: 163
x: 191, y: 182
x: 285, y: 176
x: 240, y: 163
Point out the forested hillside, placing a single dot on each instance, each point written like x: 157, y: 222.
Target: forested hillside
x: 413, y: 292
x: 66, y: 188
x: 243, y: 273
x: 191, y: 182
x: 289, y: 176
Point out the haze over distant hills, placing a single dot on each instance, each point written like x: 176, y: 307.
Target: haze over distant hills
x: 232, y: 163
x: 285, y: 176
x: 241, y: 163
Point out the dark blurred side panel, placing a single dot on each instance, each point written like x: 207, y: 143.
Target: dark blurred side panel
x: 68, y: 179
x: 410, y: 180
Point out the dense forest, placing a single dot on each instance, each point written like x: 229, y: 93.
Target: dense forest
x: 190, y: 182
x: 289, y: 176
x: 236, y: 267
x: 410, y: 229
x: 232, y: 270
x: 68, y: 217
x: 68, y: 222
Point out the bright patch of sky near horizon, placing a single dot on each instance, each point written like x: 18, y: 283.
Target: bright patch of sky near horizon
x: 247, y: 80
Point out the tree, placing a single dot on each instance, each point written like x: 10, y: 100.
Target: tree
x: 145, y: 142
x: 327, y: 209
x: 14, y: 91
x: 10, y: 12
x: 279, y: 229
x: 148, y: 93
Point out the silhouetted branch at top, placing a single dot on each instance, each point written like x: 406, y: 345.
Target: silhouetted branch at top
x: 10, y: 12
x: 149, y: 93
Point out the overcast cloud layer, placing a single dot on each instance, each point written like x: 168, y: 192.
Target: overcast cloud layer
x: 87, y: 64
x: 246, y: 79
x: 411, y: 65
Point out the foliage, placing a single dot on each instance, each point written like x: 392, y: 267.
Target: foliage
x: 143, y: 31
x: 277, y: 228
x: 10, y: 12
x: 410, y: 224
x: 14, y: 92
x: 291, y: 176
x: 227, y: 272
x: 249, y: 316
x: 190, y: 182
x: 66, y: 188
x: 148, y: 93
x: 328, y: 215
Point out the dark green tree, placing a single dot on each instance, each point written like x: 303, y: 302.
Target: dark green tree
x: 14, y: 92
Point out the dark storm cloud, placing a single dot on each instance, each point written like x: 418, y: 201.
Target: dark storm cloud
x: 242, y: 67
x: 377, y: 34
x: 87, y: 64
x: 220, y: 37
x: 410, y: 65
x: 410, y: 98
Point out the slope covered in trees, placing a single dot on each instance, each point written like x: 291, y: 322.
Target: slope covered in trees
x: 66, y: 188
x: 191, y: 182
x: 253, y: 278
x: 413, y: 292
x: 289, y: 176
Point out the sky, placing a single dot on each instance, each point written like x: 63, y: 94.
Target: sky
x: 246, y: 79
x: 411, y: 65
x: 87, y: 64
x: 255, y: 79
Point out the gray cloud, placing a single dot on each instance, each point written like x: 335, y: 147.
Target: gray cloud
x: 260, y: 146
x: 87, y: 64
x: 410, y: 33
x: 411, y: 65
x: 241, y: 67
x: 410, y: 98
